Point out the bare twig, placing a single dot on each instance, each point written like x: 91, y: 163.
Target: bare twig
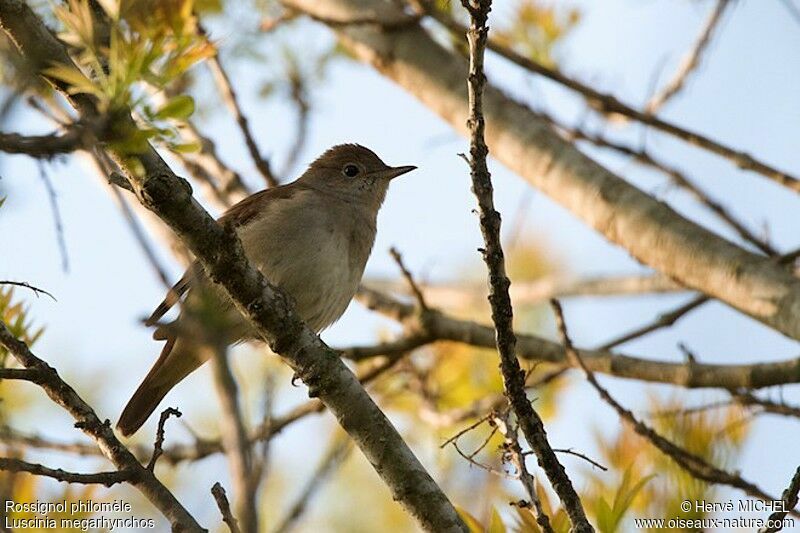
x: 100, y: 478
x: 513, y: 451
x: 230, y: 98
x: 570, y: 451
x: 412, y: 285
x: 690, y: 61
x: 696, y: 466
x: 462, y: 294
x: 499, y: 299
x: 235, y: 442
x: 88, y: 422
x: 75, y: 137
x: 224, y: 507
x: 158, y: 446
x: 663, y: 320
x: 57, y: 221
x: 36, y: 290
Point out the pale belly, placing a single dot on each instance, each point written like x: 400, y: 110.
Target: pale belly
x: 320, y: 267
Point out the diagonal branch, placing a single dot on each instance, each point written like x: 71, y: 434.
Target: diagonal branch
x: 690, y: 61
x: 693, y: 464
x: 231, y: 100
x: 87, y: 421
x: 499, y: 299
x: 789, y: 500
x: 220, y: 252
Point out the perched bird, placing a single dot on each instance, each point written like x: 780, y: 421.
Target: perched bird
x: 311, y: 238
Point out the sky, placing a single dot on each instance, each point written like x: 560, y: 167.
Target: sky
x: 744, y: 94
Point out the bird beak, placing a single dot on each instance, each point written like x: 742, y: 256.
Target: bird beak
x: 393, y: 172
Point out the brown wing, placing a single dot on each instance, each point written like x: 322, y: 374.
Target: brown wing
x: 247, y: 209
x: 239, y: 214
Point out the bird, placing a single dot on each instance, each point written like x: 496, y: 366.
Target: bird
x: 311, y: 238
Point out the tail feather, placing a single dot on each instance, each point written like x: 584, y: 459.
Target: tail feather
x: 177, y: 360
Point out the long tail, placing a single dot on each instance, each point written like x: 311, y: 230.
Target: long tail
x: 177, y: 360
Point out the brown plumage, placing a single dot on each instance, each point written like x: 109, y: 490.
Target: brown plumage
x: 312, y: 238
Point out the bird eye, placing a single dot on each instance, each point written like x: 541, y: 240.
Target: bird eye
x: 350, y: 170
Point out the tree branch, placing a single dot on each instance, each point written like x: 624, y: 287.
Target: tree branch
x: 499, y: 299
x: 87, y: 421
x: 231, y: 100
x: 75, y: 136
x: 435, y: 325
x: 695, y: 465
x: 789, y: 499
x: 220, y: 253
x: 100, y: 478
x: 225, y: 508
x: 690, y: 61
x: 235, y: 441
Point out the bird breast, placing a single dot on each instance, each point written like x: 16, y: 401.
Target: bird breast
x: 315, y: 248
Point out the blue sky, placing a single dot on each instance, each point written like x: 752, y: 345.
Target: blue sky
x: 744, y: 94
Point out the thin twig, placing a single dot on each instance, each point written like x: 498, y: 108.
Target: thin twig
x: 499, y: 299
x: 412, y: 285
x: 235, y: 442
x: 36, y: 290
x: 513, y: 451
x: 695, y: 465
x: 57, y: 221
x: 224, y: 507
x: 662, y: 321
x: 231, y: 100
x: 570, y: 451
x: 100, y: 478
x: 690, y: 61
x: 159, y: 442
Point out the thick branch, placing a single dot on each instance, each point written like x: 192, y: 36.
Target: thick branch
x: 650, y: 230
x: 220, y: 253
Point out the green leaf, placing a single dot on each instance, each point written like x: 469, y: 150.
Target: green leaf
x: 185, y: 148
x: 76, y: 79
x: 180, y: 107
